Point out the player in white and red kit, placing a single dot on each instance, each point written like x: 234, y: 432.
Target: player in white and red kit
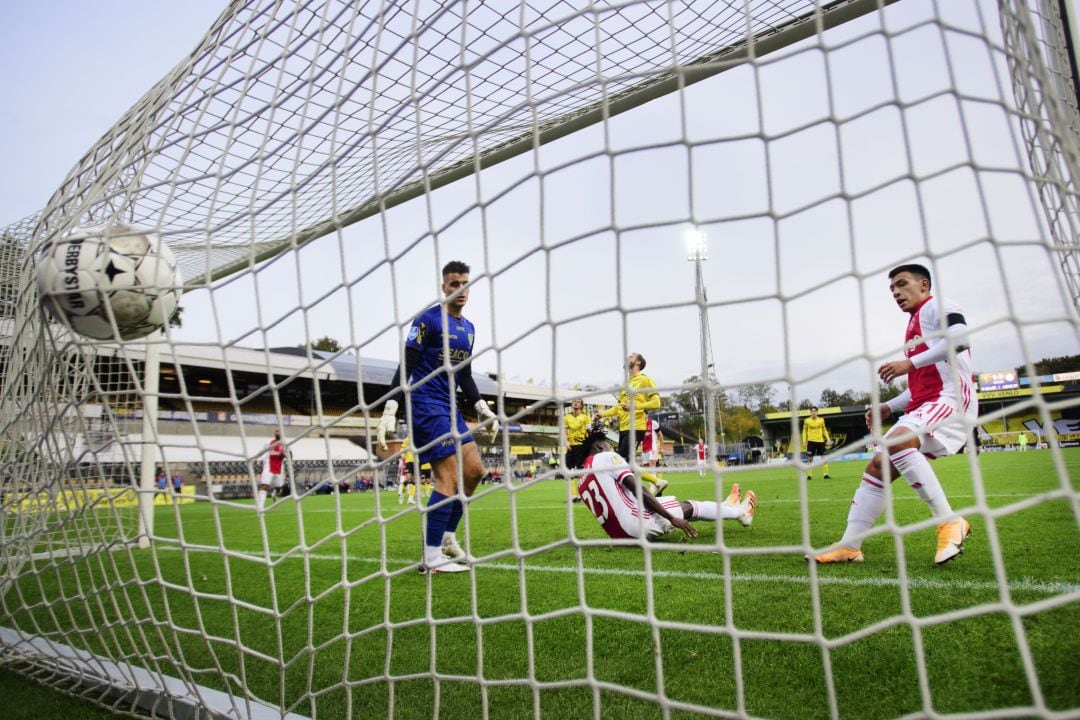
x: 940, y: 409
x: 273, y: 469
x: 649, y: 443
x: 701, y: 452
x: 609, y: 489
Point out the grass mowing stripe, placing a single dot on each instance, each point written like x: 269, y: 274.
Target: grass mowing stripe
x: 343, y: 629
x: 1023, y: 584
x: 542, y: 506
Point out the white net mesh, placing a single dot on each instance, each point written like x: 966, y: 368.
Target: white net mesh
x: 320, y: 158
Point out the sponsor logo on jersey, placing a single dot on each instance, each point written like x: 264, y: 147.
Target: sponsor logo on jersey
x: 456, y: 354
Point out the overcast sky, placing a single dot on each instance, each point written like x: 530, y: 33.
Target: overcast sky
x: 797, y: 279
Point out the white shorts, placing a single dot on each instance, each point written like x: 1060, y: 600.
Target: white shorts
x: 940, y: 429
x: 701, y: 462
x: 274, y: 480
x: 648, y: 456
x: 656, y: 525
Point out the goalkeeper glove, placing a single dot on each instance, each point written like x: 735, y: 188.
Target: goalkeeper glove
x: 484, y: 413
x: 388, y: 421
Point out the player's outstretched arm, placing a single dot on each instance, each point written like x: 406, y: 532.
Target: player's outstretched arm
x: 653, y: 505
x: 648, y: 400
x: 892, y: 370
x: 888, y: 408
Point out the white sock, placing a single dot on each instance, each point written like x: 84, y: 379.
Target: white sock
x: 432, y: 555
x: 709, y: 510
x: 866, y: 508
x: 449, y: 538
x: 916, y: 469
x: 261, y: 499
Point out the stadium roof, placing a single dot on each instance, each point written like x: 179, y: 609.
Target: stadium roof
x: 327, y: 366
x: 213, y: 448
x: 372, y: 370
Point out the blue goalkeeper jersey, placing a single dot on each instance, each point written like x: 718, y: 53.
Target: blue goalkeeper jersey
x: 426, y: 335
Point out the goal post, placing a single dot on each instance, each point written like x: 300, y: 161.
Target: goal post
x: 314, y: 164
x: 148, y: 452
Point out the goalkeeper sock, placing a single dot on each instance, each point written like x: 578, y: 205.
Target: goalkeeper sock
x: 456, y: 511
x: 916, y: 469
x: 866, y: 508
x: 709, y: 510
x: 437, y: 518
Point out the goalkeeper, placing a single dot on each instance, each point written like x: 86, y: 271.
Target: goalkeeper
x: 433, y: 424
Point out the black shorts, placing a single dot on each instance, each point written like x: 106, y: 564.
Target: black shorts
x: 575, y: 456
x: 815, y: 448
x: 624, y: 445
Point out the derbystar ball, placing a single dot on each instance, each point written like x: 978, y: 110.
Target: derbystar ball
x: 109, y: 282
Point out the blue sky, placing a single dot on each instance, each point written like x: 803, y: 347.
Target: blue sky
x: 72, y: 68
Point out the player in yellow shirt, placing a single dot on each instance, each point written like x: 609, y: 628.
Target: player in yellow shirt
x: 576, y: 424
x: 425, y: 479
x: 816, y: 439
x: 645, y: 398
x: 406, y: 479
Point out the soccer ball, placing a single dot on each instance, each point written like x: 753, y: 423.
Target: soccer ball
x: 100, y: 274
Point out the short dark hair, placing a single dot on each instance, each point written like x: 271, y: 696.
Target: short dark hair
x: 914, y: 269
x: 455, y: 267
x: 594, y: 437
x: 813, y: 407
x: 640, y: 358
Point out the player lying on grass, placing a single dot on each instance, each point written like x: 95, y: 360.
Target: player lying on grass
x: 610, y: 491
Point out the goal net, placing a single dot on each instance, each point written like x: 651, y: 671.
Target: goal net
x: 313, y: 165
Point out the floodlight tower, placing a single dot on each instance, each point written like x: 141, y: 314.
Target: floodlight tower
x: 697, y: 247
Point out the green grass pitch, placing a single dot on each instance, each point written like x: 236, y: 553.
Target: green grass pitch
x: 319, y: 608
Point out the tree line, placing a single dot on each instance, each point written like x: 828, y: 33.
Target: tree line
x: 737, y: 410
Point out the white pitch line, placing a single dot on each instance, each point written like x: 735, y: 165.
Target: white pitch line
x: 1023, y: 584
